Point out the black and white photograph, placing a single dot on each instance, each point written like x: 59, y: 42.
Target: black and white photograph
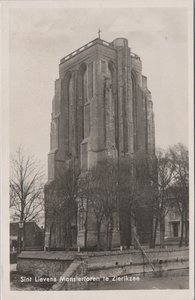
x: 97, y: 149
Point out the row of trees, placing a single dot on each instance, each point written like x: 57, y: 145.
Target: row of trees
x: 112, y: 187
x: 173, y: 188
x: 152, y: 185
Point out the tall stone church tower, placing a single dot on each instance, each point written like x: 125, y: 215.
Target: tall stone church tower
x: 102, y: 107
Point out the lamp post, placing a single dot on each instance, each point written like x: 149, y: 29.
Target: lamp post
x: 20, y: 234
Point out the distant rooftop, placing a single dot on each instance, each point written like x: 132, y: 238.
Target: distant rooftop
x: 30, y: 227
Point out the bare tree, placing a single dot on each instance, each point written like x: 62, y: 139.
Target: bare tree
x: 108, y: 180
x: 113, y: 196
x: 126, y: 198
x: 180, y: 161
x: 85, y: 198
x: 95, y: 203
x: 102, y: 197
x: 146, y: 206
x: 165, y: 177
x: 26, y: 191
x: 62, y: 197
x: 26, y: 187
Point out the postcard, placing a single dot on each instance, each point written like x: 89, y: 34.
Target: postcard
x: 97, y: 149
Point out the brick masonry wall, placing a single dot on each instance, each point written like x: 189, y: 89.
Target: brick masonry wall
x: 135, y: 269
x: 68, y: 265
x: 132, y: 262
x: 41, y: 263
x: 77, y: 270
x: 135, y: 255
x: 42, y: 267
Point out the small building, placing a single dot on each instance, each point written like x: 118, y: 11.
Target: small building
x: 32, y: 237
x: 173, y: 227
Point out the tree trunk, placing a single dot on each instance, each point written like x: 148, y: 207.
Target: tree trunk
x: 68, y: 235
x: 98, y: 235
x: 106, y: 246
x: 181, y: 238
x: 50, y: 233
x: 154, y: 233
x: 76, y: 226
x: 23, y: 235
x: 110, y: 233
x: 110, y: 239
x: 162, y: 231
x: 151, y: 231
x: 19, y: 241
x: 121, y: 227
x: 86, y: 224
x: 186, y: 228
x: 86, y: 232
x: 129, y: 237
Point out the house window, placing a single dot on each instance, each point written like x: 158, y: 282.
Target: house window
x: 175, y: 226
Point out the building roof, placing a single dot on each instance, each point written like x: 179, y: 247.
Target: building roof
x: 86, y: 46
x: 30, y: 227
x: 90, y: 44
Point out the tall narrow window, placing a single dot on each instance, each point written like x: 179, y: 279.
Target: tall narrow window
x: 88, y: 88
x: 146, y: 125
x: 83, y: 114
x: 70, y: 113
x: 82, y: 99
x: 112, y: 75
x: 134, y: 112
x: 83, y: 107
x: 84, y: 86
x: 109, y: 114
x: 86, y: 120
x: 90, y: 80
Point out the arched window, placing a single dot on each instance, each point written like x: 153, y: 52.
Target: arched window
x: 134, y: 103
x: 67, y: 106
x: 114, y: 105
x: 70, y: 113
x: 111, y: 73
x: 90, y: 80
x: 108, y: 105
x: 146, y: 124
x: 83, y: 110
x: 83, y: 114
x: 84, y: 85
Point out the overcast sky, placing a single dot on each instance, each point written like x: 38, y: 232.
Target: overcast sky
x: 40, y: 37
